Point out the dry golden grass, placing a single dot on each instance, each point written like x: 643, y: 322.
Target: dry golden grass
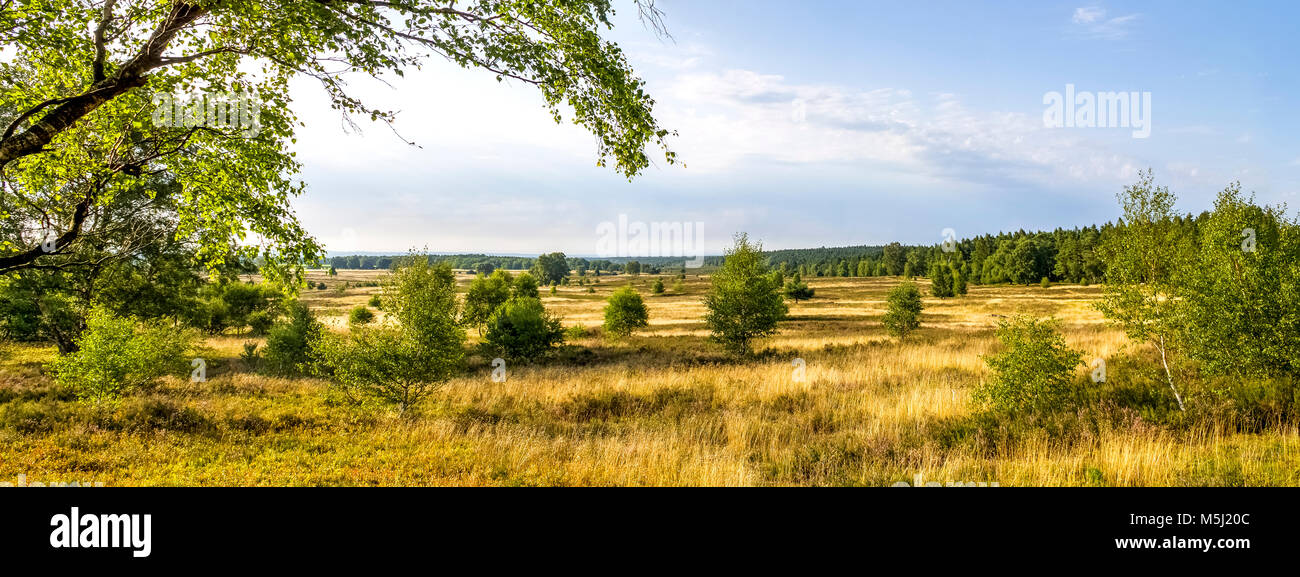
x: 665, y: 407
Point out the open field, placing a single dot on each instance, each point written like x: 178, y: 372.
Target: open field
x: 665, y: 407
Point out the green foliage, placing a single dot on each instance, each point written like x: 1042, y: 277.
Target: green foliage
x: 260, y: 322
x: 797, y: 290
x: 903, y: 310
x: 1145, y: 259
x: 250, y: 355
x: 403, y: 360
x: 625, y: 312
x: 116, y: 355
x: 78, y: 100
x: 376, y: 302
x: 1034, y: 370
x: 224, y: 305
x: 551, y: 269
x: 658, y: 286
x: 958, y: 280
x: 526, y: 287
x: 743, y: 305
x: 1239, y: 305
x: 522, y: 330
x: 1045, y: 283
x: 486, y: 294
x: 361, y: 315
x: 288, y: 345
x: 941, y: 280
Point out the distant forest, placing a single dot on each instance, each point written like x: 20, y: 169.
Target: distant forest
x: 1062, y: 255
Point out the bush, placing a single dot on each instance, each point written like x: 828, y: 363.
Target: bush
x: 522, y: 330
x: 1045, y: 283
x: 235, y: 305
x: 251, y: 356
x: 360, y: 316
x: 375, y: 301
x: 903, y: 314
x: 797, y: 290
x: 658, y: 287
x: 1034, y: 370
x: 404, y: 361
x: 117, y: 355
x: 625, y: 313
x: 288, y: 346
x: 260, y: 322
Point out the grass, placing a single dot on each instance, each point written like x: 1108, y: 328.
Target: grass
x: 665, y: 407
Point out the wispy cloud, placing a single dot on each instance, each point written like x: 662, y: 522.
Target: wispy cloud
x: 1094, y: 22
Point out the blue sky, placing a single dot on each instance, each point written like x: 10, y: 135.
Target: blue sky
x: 827, y: 123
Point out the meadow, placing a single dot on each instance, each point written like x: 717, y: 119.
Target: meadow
x: 664, y: 407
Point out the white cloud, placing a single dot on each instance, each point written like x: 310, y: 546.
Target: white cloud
x: 742, y: 120
x: 1092, y: 21
x: 1088, y: 14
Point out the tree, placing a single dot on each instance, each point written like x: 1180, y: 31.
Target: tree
x: 903, y: 310
x: 486, y: 294
x: 1033, y: 371
x: 400, y: 362
x: 551, y: 269
x: 77, y: 93
x: 625, y: 312
x: 742, y: 304
x: 894, y: 259
x: 941, y: 280
x: 958, y: 280
x: 525, y: 286
x: 797, y: 290
x: 1240, y: 300
x: 1144, y: 258
x: 522, y: 330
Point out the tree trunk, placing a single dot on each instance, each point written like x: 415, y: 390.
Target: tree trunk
x: 1169, y: 376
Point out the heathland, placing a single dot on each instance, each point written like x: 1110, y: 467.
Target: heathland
x: 663, y: 407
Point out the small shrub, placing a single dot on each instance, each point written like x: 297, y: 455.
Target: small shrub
x: 522, y: 330
x: 658, y: 287
x: 375, y: 301
x: 288, y: 346
x: 625, y: 313
x: 404, y: 361
x: 360, y: 316
x: 797, y: 290
x: 117, y: 355
x: 903, y: 314
x: 1034, y: 370
x: 1045, y: 283
x: 251, y: 356
x: 576, y: 332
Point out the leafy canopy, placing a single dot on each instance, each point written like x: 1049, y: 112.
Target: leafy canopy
x: 79, y: 95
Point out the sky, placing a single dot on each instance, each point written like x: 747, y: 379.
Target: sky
x: 827, y: 123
